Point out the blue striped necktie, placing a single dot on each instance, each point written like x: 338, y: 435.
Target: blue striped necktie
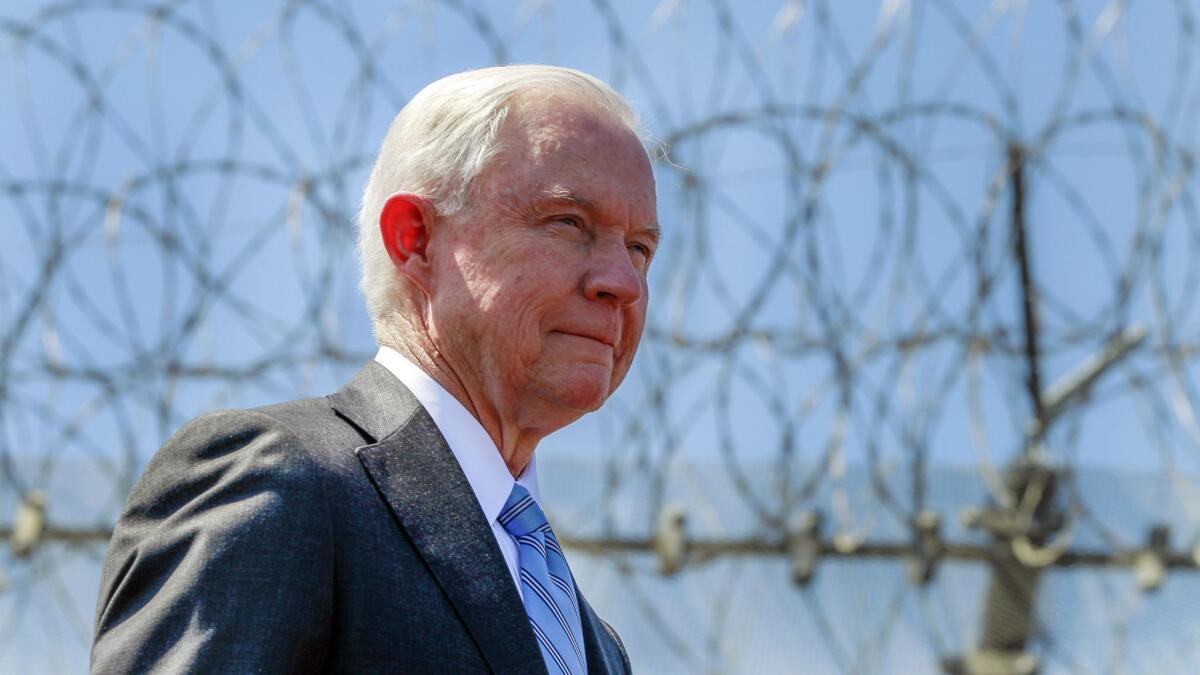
x: 546, y: 585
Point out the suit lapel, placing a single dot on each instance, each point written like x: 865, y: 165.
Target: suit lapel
x: 600, y: 661
x: 420, y: 480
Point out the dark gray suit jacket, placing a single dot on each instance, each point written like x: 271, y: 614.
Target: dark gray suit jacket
x: 333, y: 534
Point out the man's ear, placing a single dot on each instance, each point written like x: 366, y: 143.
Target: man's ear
x: 404, y: 223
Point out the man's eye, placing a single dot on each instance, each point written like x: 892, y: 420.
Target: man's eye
x: 570, y: 220
x: 642, y: 249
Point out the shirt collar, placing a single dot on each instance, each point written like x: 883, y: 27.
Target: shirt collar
x: 476, y: 453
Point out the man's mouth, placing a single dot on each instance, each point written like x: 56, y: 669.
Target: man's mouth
x: 593, y: 336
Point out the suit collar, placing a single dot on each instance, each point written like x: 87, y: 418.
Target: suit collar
x: 415, y: 472
x: 375, y: 402
x: 472, y: 446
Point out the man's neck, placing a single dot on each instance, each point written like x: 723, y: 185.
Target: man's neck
x: 516, y: 446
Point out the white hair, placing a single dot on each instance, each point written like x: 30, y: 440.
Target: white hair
x: 441, y: 141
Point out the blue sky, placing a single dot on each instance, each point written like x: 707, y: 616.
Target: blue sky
x: 236, y: 137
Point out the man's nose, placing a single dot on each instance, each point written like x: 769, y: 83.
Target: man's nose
x: 612, y: 275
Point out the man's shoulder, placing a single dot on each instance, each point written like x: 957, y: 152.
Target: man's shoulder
x: 221, y: 501
x: 217, y: 446
x: 291, y: 436
x: 312, y: 421
x: 218, y: 433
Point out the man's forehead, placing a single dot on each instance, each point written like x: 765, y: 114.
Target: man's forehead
x: 570, y: 152
x: 540, y: 109
x: 543, y: 126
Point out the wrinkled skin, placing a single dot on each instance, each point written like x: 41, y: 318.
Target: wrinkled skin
x: 536, y: 291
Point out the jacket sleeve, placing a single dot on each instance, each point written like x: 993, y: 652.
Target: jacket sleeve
x: 222, y: 560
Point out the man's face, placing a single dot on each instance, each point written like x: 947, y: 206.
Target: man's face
x: 539, y: 285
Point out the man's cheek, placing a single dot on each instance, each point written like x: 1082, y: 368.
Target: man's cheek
x: 634, y: 324
x: 528, y: 335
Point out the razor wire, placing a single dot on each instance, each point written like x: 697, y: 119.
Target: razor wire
x: 891, y: 247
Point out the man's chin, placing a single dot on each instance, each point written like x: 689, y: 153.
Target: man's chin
x: 579, y: 394
x: 587, y: 400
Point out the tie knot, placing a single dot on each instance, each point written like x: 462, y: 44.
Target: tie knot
x: 521, y: 515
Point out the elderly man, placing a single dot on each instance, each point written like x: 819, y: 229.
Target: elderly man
x: 395, y: 525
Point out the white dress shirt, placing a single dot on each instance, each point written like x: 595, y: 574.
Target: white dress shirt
x: 486, y: 471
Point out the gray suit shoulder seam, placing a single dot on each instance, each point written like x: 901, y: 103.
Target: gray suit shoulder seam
x: 319, y: 476
x: 317, y: 469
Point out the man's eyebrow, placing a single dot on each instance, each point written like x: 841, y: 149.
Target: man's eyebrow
x: 566, y: 196
x: 652, y: 230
